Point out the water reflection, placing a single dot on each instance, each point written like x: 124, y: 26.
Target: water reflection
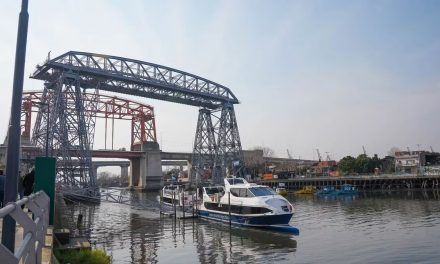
x: 136, y: 233
x: 219, y: 243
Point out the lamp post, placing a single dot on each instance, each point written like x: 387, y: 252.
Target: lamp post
x: 13, y: 153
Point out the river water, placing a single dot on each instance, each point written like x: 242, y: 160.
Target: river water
x: 376, y: 227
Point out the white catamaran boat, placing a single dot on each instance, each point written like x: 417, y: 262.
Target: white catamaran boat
x: 250, y: 204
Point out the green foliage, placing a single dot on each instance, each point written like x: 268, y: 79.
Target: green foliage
x: 347, y: 164
x: 362, y: 164
x: 82, y: 256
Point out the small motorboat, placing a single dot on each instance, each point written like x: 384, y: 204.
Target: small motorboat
x: 308, y: 189
x: 281, y: 191
x: 327, y: 190
x: 347, y: 189
x: 176, y: 195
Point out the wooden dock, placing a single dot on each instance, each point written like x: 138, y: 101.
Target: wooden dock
x: 369, y: 182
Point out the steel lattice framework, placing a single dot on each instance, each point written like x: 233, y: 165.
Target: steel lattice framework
x: 217, y: 147
x: 68, y: 76
x: 74, y: 169
x: 229, y: 153
x: 128, y: 76
x: 205, y: 147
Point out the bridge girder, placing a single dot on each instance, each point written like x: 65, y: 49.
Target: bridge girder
x: 134, y: 77
x: 143, y: 126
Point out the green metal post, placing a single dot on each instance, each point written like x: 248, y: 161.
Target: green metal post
x: 45, y: 181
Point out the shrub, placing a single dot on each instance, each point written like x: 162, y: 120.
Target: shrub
x: 82, y: 256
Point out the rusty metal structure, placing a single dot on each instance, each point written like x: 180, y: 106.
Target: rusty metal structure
x: 108, y: 107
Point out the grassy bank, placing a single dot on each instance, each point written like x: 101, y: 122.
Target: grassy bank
x: 82, y: 256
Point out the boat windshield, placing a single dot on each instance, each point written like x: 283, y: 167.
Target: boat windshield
x: 233, y: 181
x: 214, y: 190
x: 262, y: 191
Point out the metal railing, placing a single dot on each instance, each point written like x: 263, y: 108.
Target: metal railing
x: 34, y: 224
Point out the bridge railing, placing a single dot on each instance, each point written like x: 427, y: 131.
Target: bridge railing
x: 34, y: 228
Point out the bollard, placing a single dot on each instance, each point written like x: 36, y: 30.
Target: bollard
x: 174, y: 204
x: 229, y: 207
x: 192, y: 201
x: 183, y: 204
x: 161, y: 201
x: 197, y: 201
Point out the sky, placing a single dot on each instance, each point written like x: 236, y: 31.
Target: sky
x: 327, y: 75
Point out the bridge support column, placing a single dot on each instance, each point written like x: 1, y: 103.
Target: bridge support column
x: 124, y: 171
x: 95, y: 170
x: 146, y: 172
x: 135, y: 172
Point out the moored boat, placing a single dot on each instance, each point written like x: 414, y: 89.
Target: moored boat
x: 308, y: 189
x: 243, y: 203
x: 327, y: 190
x: 281, y: 191
x: 347, y: 189
x: 176, y: 195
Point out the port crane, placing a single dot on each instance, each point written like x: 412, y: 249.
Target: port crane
x: 319, y: 155
x: 288, y: 154
x: 365, y: 152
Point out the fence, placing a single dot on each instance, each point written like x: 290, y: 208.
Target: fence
x: 34, y: 228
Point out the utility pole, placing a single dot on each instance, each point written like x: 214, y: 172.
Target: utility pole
x: 13, y: 159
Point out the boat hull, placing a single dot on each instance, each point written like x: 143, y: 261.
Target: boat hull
x: 247, y: 220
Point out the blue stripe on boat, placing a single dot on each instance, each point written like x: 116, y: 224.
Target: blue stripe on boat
x: 262, y: 220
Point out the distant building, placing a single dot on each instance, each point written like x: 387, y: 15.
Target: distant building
x: 417, y: 162
x: 325, y: 168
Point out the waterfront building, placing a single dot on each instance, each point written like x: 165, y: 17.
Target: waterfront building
x: 417, y: 162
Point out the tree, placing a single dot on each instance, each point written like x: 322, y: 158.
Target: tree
x: 364, y: 164
x: 347, y: 164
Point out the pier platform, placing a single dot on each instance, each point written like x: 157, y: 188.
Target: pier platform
x: 364, y: 182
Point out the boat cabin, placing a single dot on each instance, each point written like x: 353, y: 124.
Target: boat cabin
x: 238, y: 187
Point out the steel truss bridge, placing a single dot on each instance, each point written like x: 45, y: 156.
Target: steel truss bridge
x: 70, y: 102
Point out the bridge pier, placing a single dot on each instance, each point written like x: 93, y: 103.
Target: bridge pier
x: 124, y: 172
x: 146, y: 172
